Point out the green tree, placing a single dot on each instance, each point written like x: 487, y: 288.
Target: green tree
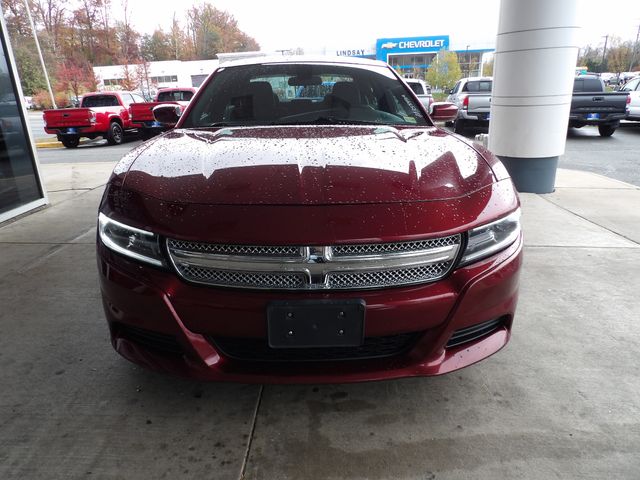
x: 619, y: 57
x: 444, y: 70
x: 29, y: 69
x: 487, y: 68
x: 156, y: 47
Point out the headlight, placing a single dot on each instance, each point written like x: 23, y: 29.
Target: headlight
x: 130, y: 241
x: 488, y: 239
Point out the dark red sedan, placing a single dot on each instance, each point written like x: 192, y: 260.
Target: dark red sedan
x: 306, y: 222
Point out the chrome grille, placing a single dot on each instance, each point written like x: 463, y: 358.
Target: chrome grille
x: 395, y: 247
x: 357, y: 266
x: 387, y: 278
x: 242, y: 250
x: 242, y: 279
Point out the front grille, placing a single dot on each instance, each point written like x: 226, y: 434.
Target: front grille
x: 242, y: 279
x: 387, y: 278
x: 258, y: 350
x: 394, y: 247
x: 148, y: 338
x: 345, y: 267
x: 285, y: 251
x: 474, y: 332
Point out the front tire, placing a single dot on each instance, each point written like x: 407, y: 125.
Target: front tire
x: 115, y: 135
x: 606, y: 130
x: 459, y: 127
x: 70, y: 142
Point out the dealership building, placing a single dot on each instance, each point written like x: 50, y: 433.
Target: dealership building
x: 409, y: 55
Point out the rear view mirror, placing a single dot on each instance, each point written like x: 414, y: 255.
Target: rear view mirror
x: 443, y: 112
x: 167, y: 115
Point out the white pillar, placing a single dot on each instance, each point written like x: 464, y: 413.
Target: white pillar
x: 534, y: 67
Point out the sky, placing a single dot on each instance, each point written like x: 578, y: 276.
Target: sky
x: 351, y: 24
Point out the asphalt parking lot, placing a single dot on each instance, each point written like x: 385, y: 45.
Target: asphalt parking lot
x: 562, y: 400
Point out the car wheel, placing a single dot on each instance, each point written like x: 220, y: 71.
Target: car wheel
x: 459, y: 127
x: 70, y: 142
x: 115, y: 134
x: 606, y: 130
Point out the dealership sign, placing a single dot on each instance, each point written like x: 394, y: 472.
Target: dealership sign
x: 355, y: 52
x: 390, y: 46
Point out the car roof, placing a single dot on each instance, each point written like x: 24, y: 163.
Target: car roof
x: 334, y: 60
x: 475, y: 79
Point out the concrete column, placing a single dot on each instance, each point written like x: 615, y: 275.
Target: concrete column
x: 535, y: 58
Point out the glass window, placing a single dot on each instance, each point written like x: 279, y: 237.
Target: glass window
x: 100, y: 101
x: 18, y: 181
x: 137, y: 98
x: 481, y: 86
x: 632, y: 85
x: 305, y: 93
x: 416, y: 87
x: 175, y: 96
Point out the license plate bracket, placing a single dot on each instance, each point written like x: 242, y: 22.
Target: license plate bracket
x: 315, y: 323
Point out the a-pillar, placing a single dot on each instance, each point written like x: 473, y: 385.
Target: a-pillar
x: 534, y: 67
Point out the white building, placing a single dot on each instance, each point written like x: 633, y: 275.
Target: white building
x: 171, y: 73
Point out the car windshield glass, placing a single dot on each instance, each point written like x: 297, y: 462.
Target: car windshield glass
x: 100, y: 101
x: 175, y: 96
x: 305, y: 93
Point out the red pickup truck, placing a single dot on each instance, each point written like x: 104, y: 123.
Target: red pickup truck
x: 101, y: 114
x: 142, y: 113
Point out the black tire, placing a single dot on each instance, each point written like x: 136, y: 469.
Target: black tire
x: 70, y: 142
x: 115, y: 135
x: 460, y: 127
x: 448, y: 124
x: 606, y: 130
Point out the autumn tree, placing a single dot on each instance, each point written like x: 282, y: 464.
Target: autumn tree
x: 75, y: 78
x: 213, y: 31
x: 156, y: 47
x: 50, y: 16
x: 444, y: 70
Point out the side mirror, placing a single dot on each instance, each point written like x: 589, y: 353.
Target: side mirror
x: 451, y: 92
x: 167, y: 115
x: 443, y: 112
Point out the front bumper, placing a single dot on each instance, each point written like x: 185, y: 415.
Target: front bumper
x: 161, y: 322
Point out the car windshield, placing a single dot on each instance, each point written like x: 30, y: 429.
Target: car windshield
x: 175, y: 96
x: 305, y: 94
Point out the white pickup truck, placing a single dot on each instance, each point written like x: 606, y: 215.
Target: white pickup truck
x: 472, y: 96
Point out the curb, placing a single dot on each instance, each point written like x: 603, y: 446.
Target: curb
x: 55, y: 143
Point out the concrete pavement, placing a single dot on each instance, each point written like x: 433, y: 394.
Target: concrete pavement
x: 561, y: 401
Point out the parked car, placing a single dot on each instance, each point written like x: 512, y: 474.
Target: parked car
x: 422, y: 91
x: 274, y: 238
x: 101, y: 114
x: 592, y: 105
x: 142, y: 113
x: 472, y: 96
x: 632, y: 88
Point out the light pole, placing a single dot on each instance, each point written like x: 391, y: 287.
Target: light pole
x: 466, y: 57
x: 44, y: 68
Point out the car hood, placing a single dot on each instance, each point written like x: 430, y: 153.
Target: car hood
x: 307, y: 165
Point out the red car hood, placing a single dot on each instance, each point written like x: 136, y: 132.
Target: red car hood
x: 307, y: 165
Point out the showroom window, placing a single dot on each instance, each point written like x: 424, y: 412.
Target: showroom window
x: 20, y: 188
